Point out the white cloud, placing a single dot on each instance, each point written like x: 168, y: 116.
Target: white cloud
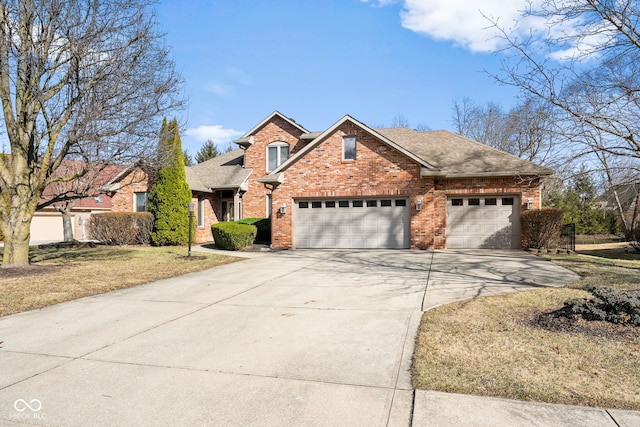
x: 461, y: 21
x: 219, y: 88
x: 216, y: 133
x: 380, y: 3
x: 469, y: 24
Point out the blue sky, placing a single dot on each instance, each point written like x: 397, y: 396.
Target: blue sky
x: 317, y: 60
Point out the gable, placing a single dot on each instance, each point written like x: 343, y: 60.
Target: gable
x: 348, y: 126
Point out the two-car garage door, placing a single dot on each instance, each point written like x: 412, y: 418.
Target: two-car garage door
x: 372, y: 223
x: 489, y: 222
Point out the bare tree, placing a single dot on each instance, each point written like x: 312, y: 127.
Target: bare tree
x: 586, y: 65
x: 87, y: 81
x: 400, y: 121
x: 525, y: 131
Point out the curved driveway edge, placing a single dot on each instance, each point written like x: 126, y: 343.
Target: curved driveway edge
x: 286, y: 338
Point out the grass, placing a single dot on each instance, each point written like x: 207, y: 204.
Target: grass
x: 58, y: 275
x: 490, y: 346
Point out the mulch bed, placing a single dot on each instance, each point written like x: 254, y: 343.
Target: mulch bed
x: 561, y: 321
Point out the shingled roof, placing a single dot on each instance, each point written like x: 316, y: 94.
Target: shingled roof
x: 221, y: 172
x: 457, y: 156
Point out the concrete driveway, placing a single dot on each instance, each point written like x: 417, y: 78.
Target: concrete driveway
x: 289, y: 338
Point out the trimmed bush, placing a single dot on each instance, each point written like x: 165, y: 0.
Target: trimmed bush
x: 263, y: 225
x: 609, y: 305
x: 121, y: 228
x: 233, y: 236
x: 541, y: 228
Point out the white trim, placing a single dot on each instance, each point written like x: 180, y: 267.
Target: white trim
x: 201, y: 211
x: 279, y: 161
x: 355, y: 145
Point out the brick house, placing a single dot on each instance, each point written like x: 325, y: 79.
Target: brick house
x: 352, y: 186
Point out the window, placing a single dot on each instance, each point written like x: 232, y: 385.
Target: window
x: 343, y: 204
x: 277, y: 154
x: 507, y: 201
x: 316, y: 205
x: 358, y: 203
x: 200, y: 212
x: 372, y: 203
x: 349, y: 148
x: 329, y: 204
x: 474, y: 202
x: 401, y: 202
x: 490, y: 202
x: 456, y: 202
x: 385, y: 202
x: 303, y: 205
x: 140, y: 201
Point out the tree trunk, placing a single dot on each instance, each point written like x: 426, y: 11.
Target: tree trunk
x: 67, y: 225
x: 16, y: 245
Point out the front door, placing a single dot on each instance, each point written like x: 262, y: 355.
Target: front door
x: 227, y: 210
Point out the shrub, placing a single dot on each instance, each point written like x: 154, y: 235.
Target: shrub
x: 263, y: 225
x: 541, y: 228
x: 170, y: 194
x: 609, y: 304
x: 121, y: 228
x: 233, y: 236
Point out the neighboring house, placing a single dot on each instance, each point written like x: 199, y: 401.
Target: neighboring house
x: 47, y: 224
x: 352, y: 186
x: 117, y: 189
x: 628, y: 195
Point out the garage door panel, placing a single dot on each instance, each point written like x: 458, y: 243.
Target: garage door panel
x: 358, y: 225
x: 482, y: 225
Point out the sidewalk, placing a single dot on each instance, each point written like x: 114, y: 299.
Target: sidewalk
x: 437, y: 409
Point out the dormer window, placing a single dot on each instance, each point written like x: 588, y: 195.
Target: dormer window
x: 277, y: 154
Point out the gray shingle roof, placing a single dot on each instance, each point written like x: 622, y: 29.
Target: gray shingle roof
x: 222, y: 172
x: 456, y: 155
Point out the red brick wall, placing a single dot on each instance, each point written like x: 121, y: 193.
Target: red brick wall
x: 123, y: 200
x: 211, y: 215
x: 380, y: 170
x: 254, y: 201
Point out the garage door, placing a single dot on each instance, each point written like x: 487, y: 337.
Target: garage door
x: 47, y: 228
x: 381, y: 223
x: 491, y: 222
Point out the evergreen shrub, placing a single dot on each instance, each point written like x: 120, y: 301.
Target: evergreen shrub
x: 232, y: 236
x: 263, y: 225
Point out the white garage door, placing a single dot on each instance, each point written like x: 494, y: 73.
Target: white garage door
x: 46, y: 228
x: 381, y: 223
x: 491, y: 222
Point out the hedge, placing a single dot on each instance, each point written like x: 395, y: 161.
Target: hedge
x: 541, y: 228
x: 233, y: 236
x: 263, y: 225
x: 121, y: 228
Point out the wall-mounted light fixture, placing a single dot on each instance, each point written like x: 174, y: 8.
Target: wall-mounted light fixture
x: 283, y: 209
x: 529, y: 204
x: 419, y: 205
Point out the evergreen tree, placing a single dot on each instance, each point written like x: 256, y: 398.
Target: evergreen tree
x: 188, y: 160
x: 208, y: 151
x: 580, y: 205
x: 170, y: 195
